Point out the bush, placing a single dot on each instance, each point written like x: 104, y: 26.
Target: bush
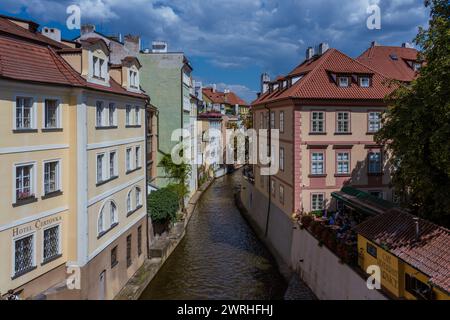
x: 163, y: 205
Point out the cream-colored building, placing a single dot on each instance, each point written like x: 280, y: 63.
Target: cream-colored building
x: 73, y: 154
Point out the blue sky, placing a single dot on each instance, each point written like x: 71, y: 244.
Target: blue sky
x: 231, y: 42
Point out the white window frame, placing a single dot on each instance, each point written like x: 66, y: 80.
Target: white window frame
x: 114, y: 219
x: 100, y: 123
x: 13, y: 251
x: 137, y: 115
x: 314, y: 162
x: 342, y: 122
x: 101, y: 215
x: 116, y: 164
x: 318, y: 121
x: 129, y: 202
x: 114, y: 117
x: 59, y: 225
x: 138, y: 157
x: 272, y: 120
x: 282, y: 158
x: 138, y: 200
x: 282, y: 121
x: 128, y: 115
x: 58, y: 113
x: 372, y: 122
x: 342, y: 83
x: 104, y: 167
x: 129, y: 161
x: 316, y: 202
x: 370, y: 171
x: 33, y: 122
x: 340, y: 161
x: 58, y: 175
x: 33, y: 183
x: 362, y: 82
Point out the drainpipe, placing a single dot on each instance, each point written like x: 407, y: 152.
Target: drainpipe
x: 266, y: 232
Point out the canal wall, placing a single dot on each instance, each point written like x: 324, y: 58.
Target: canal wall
x: 323, y: 272
x: 160, y: 251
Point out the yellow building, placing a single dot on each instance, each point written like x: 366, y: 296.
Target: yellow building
x: 73, y: 154
x: 413, y: 255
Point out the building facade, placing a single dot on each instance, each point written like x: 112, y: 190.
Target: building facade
x: 74, y: 167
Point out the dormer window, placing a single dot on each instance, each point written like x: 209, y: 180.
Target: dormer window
x: 343, y: 82
x: 134, y: 83
x: 99, y: 68
x: 416, y: 66
x: 364, y: 82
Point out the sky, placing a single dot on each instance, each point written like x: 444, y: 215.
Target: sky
x: 231, y: 42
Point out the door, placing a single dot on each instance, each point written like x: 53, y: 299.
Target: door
x: 102, y: 286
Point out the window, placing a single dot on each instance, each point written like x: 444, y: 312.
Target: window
x: 318, y: 202
x: 112, y: 114
x: 138, y: 197
x: 100, y: 167
x: 101, y: 223
x: 100, y: 110
x: 98, y: 68
x: 114, y: 261
x: 374, y: 122
x: 317, y: 163
x: 281, y: 194
x: 129, y: 205
x: 128, y: 115
x: 51, y: 114
x: 364, y: 82
x: 375, y: 162
x: 113, y: 213
x: 51, y: 177
x: 282, y: 159
x: 24, y: 255
x: 318, y: 122
x: 272, y: 120
x: 133, y: 79
x: 24, y: 113
x: 372, y: 250
x: 139, y: 236
x: 343, y: 82
x: 24, y: 182
x: 138, y: 157
x: 377, y: 194
x: 273, y: 188
x: 128, y: 159
x: 137, y: 116
x: 417, y: 66
x: 112, y: 164
x: 129, y: 262
x: 282, y: 121
x: 343, y: 122
x: 343, y: 163
x: 51, y: 243
x: 417, y: 288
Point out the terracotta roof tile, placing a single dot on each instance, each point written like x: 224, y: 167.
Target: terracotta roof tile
x: 318, y: 83
x: 430, y: 253
x: 379, y: 58
x: 223, y: 98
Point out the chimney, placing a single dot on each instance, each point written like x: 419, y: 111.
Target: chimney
x: 133, y: 44
x: 407, y: 45
x: 265, y: 80
x: 323, y: 47
x: 309, y: 53
x: 417, y: 226
x: 159, y: 47
x: 87, y: 28
x: 214, y: 88
x: 52, y: 33
x: 374, y: 44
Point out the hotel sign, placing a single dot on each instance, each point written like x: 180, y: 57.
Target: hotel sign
x: 36, y: 225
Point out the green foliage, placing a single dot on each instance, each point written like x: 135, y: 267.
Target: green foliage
x: 163, y: 205
x: 416, y: 128
x: 181, y: 190
x: 178, y: 173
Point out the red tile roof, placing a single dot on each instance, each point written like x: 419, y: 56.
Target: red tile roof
x: 223, y: 98
x: 317, y: 81
x: 430, y: 253
x: 23, y: 59
x: 379, y: 58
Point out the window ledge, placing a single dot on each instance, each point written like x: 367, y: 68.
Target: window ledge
x: 343, y: 133
x: 371, y: 133
x: 47, y: 261
x: 342, y: 175
x: 24, y: 272
x: 52, y: 130
x: 133, y: 126
x: 52, y: 195
x: 25, y: 130
x: 107, y: 128
x: 102, y: 234
x: 317, y: 176
x: 134, y: 211
x: 317, y: 133
x: 24, y: 202
x: 134, y: 170
x: 101, y: 183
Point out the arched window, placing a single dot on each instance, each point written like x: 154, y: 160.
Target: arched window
x: 101, y: 222
x: 138, y: 197
x: 129, y: 205
x: 113, y: 213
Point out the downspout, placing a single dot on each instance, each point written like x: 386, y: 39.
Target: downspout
x: 266, y: 232
x: 146, y: 173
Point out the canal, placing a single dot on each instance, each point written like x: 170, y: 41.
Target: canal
x: 220, y: 256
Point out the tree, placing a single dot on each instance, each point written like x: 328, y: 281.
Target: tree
x: 178, y: 174
x: 416, y: 128
x: 163, y: 205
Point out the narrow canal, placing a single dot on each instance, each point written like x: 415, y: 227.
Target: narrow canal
x: 220, y: 257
